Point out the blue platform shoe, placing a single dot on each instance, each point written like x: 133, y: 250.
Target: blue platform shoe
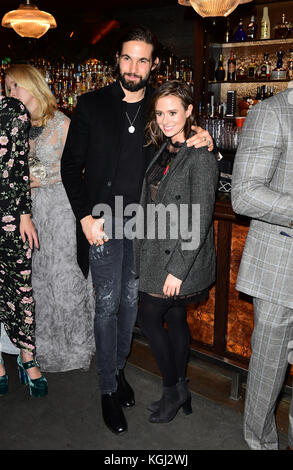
x: 38, y: 387
x: 3, y: 382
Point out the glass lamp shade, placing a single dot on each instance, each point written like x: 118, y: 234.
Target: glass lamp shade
x: 29, y: 21
x: 214, y: 7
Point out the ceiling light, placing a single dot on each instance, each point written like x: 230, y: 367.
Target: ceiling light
x: 28, y: 20
x: 213, y: 7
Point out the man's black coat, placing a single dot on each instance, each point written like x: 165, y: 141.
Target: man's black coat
x: 91, y: 155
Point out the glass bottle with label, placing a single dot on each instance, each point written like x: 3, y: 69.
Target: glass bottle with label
x: 265, y: 69
x: 280, y: 72
x: 241, y: 72
x: 251, y: 29
x: 220, y: 71
x: 240, y: 34
x: 265, y: 25
x: 231, y: 67
x: 283, y: 30
x: 252, y: 67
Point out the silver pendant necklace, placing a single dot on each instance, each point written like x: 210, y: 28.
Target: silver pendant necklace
x: 131, y: 128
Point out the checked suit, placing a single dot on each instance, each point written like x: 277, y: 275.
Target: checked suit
x: 262, y: 189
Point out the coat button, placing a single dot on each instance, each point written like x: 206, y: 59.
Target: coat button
x: 109, y: 183
x: 167, y: 252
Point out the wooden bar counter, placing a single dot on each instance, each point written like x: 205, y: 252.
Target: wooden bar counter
x: 222, y: 326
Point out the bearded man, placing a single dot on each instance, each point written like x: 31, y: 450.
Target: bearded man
x: 104, y: 162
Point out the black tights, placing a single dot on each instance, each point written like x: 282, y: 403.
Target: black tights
x: 169, y: 346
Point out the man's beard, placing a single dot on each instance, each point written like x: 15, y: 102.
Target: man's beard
x: 131, y: 86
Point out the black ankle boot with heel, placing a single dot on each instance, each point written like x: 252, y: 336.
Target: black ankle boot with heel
x: 172, y: 400
x: 182, y: 391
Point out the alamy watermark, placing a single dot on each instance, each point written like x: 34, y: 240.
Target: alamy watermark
x: 156, y: 221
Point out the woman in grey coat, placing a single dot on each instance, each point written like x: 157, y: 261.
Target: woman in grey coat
x: 174, y: 248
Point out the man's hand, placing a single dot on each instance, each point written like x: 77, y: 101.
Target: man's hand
x: 172, y: 286
x: 28, y: 231
x: 94, y: 230
x: 200, y: 139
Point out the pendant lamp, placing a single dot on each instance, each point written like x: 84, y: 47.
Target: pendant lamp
x: 28, y: 21
x: 214, y: 7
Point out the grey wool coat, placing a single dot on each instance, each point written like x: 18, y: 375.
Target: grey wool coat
x: 186, y: 249
x: 262, y: 188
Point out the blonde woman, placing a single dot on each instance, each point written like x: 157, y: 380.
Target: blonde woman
x: 64, y: 299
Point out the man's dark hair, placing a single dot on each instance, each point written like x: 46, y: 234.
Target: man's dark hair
x: 140, y: 33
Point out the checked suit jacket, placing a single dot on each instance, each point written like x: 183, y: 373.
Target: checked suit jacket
x: 262, y: 189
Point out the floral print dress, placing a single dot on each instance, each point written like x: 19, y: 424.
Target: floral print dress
x: 16, y: 301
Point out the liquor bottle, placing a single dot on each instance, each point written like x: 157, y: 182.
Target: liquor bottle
x: 290, y: 65
x: 271, y: 91
x: 220, y: 71
x: 170, y: 68
x: 252, y: 29
x: 227, y: 32
x: 265, y: 70
x: 280, y: 72
x: 265, y: 25
x: 241, y: 72
x: 231, y: 68
x: 282, y: 30
x: 252, y: 67
x: 264, y: 92
x: 258, y: 94
x: 240, y: 34
x: 177, y: 69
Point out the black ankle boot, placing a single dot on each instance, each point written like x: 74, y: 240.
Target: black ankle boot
x: 124, y: 390
x: 184, y: 393
x: 169, y: 405
x: 112, y: 413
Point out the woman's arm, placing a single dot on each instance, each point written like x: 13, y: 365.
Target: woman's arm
x: 28, y: 231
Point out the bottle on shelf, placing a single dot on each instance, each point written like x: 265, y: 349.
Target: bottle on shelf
x: 290, y: 65
x: 231, y: 76
x: 227, y: 32
x: 283, y: 30
x: 251, y: 29
x: 252, y: 67
x: 279, y: 72
x: 264, y: 92
x: 258, y: 94
x: 170, y: 68
x: 240, y: 34
x: 220, y: 71
x: 241, y: 72
x: 265, y: 32
x: 265, y: 69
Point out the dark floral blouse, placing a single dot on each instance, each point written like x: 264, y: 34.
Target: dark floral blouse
x: 14, y: 170
x: 17, y: 308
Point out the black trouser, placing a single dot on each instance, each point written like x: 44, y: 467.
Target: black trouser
x: 170, y: 346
